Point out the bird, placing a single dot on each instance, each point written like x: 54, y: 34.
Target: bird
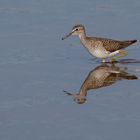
x: 101, y: 76
x: 99, y: 47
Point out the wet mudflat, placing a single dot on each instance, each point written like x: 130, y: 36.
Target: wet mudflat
x: 36, y: 66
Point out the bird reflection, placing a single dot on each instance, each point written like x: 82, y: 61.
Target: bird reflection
x: 101, y: 76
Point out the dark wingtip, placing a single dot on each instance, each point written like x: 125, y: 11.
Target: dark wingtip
x: 133, y: 41
x: 130, y: 77
x: 134, y: 77
x: 130, y: 42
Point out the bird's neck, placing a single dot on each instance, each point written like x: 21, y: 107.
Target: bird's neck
x: 83, y: 90
x: 82, y: 38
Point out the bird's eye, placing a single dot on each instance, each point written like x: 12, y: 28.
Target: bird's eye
x: 76, y: 29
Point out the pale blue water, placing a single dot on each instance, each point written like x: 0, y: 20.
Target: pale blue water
x: 36, y: 66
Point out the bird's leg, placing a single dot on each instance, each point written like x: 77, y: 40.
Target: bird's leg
x: 122, y: 54
x: 113, y: 60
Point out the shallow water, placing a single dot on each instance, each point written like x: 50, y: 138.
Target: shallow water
x: 36, y: 66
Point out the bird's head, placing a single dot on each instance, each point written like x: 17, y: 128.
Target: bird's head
x: 76, y: 30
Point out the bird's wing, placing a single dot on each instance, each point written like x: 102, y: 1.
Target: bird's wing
x: 114, y: 45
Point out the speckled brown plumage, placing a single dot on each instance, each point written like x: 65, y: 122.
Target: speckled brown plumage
x: 110, y: 44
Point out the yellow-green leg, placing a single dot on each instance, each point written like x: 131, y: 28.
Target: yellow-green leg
x: 122, y: 54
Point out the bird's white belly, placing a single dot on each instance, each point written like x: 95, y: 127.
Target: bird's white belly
x: 101, y: 52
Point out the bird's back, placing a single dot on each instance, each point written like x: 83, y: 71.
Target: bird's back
x: 110, y: 44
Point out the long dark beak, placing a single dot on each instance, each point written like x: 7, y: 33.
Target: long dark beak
x: 67, y: 35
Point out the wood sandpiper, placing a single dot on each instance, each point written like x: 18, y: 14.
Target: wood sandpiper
x: 101, y: 47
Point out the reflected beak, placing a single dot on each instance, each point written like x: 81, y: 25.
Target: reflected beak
x: 67, y: 35
x: 68, y: 93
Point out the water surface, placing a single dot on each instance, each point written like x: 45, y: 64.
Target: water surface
x: 36, y: 66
